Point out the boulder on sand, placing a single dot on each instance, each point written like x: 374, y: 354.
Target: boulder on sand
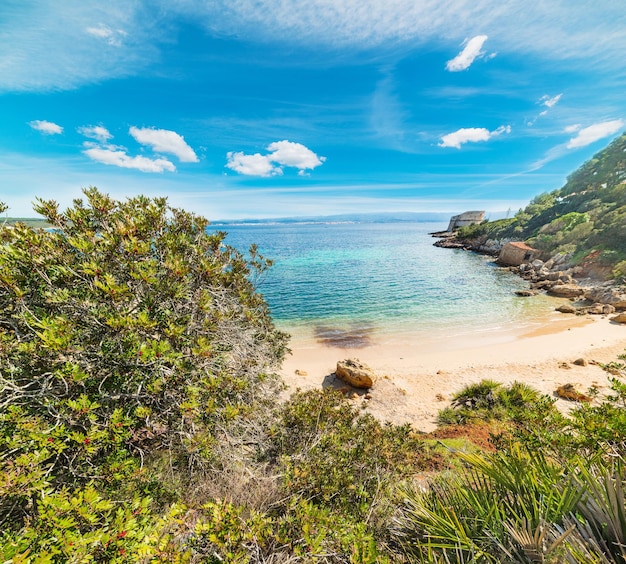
x: 354, y: 372
x: 619, y: 318
x: 566, y: 291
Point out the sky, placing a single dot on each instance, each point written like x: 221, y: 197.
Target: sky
x: 279, y: 108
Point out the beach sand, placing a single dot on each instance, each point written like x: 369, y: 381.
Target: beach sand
x: 417, y: 377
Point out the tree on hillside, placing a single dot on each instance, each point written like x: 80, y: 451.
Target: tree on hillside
x: 128, y: 333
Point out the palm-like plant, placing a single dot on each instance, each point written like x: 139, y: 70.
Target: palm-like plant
x: 518, y: 507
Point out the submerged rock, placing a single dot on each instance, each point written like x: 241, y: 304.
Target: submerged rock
x: 354, y: 372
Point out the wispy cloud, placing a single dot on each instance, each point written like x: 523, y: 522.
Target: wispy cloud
x: 471, y: 52
x: 550, y: 102
x: 95, y: 132
x: 47, y: 48
x: 572, y: 128
x: 282, y: 154
x: 110, y: 36
x: 165, y: 141
x: 471, y: 135
x: 46, y: 127
x: 588, y: 135
x: 117, y: 157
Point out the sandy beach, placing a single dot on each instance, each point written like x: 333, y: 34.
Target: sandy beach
x: 416, y: 378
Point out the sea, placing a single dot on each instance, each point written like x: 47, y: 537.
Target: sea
x: 354, y: 284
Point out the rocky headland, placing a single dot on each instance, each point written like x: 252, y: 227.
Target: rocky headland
x: 557, y: 276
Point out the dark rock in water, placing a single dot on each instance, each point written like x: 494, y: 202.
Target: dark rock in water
x: 525, y: 293
x: 351, y: 338
x: 354, y: 372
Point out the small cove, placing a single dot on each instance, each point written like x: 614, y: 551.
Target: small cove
x: 353, y: 285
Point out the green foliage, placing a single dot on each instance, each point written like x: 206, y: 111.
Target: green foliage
x: 338, y: 457
x: 127, y: 333
x: 517, y: 506
x: 491, y: 401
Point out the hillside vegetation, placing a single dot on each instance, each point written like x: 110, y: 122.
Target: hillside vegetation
x: 585, y: 218
x: 139, y: 422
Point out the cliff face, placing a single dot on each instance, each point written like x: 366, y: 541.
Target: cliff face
x: 585, y: 219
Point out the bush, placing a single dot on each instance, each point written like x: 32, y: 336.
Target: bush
x: 337, y: 457
x: 489, y: 401
x: 127, y: 334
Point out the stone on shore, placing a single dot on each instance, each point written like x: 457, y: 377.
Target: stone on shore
x: 566, y: 291
x: 566, y: 308
x: 352, y: 371
x: 619, y: 318
x: 608, y: 294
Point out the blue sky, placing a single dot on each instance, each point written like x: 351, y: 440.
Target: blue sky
x: 273, y: 108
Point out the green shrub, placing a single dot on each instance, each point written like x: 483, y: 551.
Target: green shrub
x: 487, y: 400
x: 127, y: 334
x: 336, y: 456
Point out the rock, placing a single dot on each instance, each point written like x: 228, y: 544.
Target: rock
x: 569, y: 392
x: 537, y: 264
x: 525, y: 293
x: 566, y: 308
x: 600, y: 309
x: 619, y: 318
x: 580, y: 362
x: 301, y: 373
x: 354, y: 372
x: 608, y: 294
x: 566, y: 291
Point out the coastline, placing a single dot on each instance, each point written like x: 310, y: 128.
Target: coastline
x: 415, y: 379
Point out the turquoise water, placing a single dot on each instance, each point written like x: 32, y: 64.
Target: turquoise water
x: 351, y: 284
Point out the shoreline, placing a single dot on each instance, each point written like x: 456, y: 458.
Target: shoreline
x: 417, y: 378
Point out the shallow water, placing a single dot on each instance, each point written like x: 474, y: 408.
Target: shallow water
x: 353, y: 284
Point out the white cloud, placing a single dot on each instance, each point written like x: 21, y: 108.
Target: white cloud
x: 95, y: 132
x: 119, y: 158
x: 288, y: 153
x: 588, y: 135
x: 165, y: 141
x: 252, y: 165
x: 112, y: 37
x: 470, y: 53
x: 550, y: 102
x: 572, y: 128
x: 282, y: 153
x: 471, y: 135
x: 46, y: 127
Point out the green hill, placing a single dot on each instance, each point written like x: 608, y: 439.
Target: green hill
x: 585, y: 218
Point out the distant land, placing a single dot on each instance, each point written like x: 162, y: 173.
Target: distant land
x: 383, y: 217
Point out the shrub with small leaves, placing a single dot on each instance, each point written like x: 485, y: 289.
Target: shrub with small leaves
x: 127, y: 332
